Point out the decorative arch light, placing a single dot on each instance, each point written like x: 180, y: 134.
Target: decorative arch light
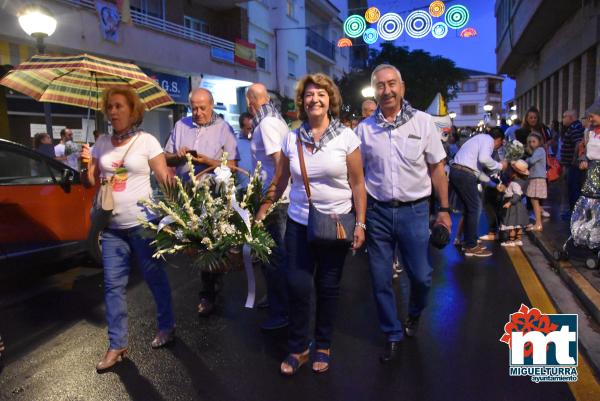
x: 418, y: 24
x: 468, y: 33
x: 344, y: 42
x: 437, y: 8
x: 370, y: 36
x: 439, y: 30
x: 354, y: 26
x: 457, y: 16
x: 390, y: 26
x: 372, y: 15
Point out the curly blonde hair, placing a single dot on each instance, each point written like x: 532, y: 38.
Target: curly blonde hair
x: 133, y: 100
x: 324, y: 82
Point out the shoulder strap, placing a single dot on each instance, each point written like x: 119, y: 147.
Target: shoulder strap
x: 303, y: 168
x: 132, y: 142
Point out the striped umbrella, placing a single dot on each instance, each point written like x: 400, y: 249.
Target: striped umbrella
x: 80, y: 80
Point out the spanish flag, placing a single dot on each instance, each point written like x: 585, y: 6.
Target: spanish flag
x: 245, y: 53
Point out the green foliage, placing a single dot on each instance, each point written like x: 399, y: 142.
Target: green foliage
x: 425, y: 75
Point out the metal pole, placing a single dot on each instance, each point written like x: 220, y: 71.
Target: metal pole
x: 47, y: 109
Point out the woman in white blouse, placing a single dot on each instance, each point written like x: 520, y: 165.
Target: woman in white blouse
x: 335, y: 173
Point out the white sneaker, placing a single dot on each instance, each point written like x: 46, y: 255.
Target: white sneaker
x: 545, y: 213
x: 508, y: 243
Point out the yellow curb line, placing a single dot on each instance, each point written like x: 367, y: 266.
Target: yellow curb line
x: 586, y: 388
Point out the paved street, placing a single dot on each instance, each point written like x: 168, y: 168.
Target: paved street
x: 56, y: 333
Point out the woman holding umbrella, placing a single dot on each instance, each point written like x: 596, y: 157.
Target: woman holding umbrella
x: 125, y: 161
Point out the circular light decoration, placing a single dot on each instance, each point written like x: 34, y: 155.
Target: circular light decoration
x: 354, y: 26
x: 468, y: 33
x: 437, y: 8
x: 457, y: 16
x: 390, y: 26
x: 370, y: 36
x: 418, y: 24
x: 439, y: 30
x: 344, y: 42
x: 372, y: 15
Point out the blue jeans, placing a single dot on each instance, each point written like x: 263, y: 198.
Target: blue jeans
x: 321, y: 265
x: 274, y: 270
x: 465, y: 186
x: 406, y: 227
x: 118, y: 248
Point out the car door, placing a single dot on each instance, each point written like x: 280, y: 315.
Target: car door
x: 43, y: 208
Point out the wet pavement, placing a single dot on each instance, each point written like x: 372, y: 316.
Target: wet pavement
x: 55, y: 333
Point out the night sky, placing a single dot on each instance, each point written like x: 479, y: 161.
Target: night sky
x: 477, y: 53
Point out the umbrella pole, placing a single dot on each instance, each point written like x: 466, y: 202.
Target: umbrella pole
x: 87, y: 125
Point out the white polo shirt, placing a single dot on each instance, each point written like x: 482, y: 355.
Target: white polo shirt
x: 396, y: 159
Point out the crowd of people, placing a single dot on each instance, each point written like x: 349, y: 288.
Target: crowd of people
x: 393, y: 168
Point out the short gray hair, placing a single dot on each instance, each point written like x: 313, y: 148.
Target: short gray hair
x: 383, y: 67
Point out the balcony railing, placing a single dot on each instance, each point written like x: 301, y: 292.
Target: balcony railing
x: 320, y: 44
x: 162, y: 25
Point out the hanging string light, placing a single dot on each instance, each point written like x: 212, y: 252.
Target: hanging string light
x: 372, y: 15
x: 457, y: 16
x: 370, y: 36
x: 439, y: 30
x: 344, y: 42
x: 418, y: 24
x: 437, y: 8
x: 468, y: 33
x: 354, y: 26
x: 390, y: 26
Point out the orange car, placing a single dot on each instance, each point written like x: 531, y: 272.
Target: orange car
x: 44, y: 209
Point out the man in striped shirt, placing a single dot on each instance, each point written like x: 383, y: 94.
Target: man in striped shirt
x: 572, y: 135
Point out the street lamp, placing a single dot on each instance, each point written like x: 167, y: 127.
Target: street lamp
x: 368, y: 91
x: 38, y: 22
x: 452, y: 115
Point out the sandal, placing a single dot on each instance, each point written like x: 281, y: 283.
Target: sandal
x: 321, y: 356
x: 535, y: 228
x: 294, y: 362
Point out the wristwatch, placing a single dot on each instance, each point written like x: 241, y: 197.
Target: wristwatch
x: 444, y: 209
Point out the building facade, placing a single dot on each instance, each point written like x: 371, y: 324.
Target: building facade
x: 296, y: 37
x: 183, y: 44
x: 552, y: 49
x: 479, y: 89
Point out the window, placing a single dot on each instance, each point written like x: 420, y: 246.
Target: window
x: 469, y: 86
x: 290, y: 8
x: 494, y: 86
x: 195, y: 25
x: 262, y: 51
x: 292, y: 65
x: 148, y: 7
x: 468, y: 109
x: 17, y: 168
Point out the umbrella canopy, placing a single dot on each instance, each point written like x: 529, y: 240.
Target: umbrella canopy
x: 80, y: 80
x: 437, y: 106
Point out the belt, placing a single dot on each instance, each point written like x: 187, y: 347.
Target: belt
x: 464, y: 168
x: 398, y: 203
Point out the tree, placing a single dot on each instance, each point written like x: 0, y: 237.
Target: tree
x: 425, y: 75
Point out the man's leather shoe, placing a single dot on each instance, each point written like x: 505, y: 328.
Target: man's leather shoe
x: 110, y: 359
x: 391, y: 352
x: 205, y: 307
x: 411, y: 326
x: 163, y: 338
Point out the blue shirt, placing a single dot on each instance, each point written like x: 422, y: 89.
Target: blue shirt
x: 243, y: 146
x: 210, y: 140
x: 537, y: 163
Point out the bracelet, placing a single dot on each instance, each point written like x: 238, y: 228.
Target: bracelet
x: 361, y: 225
x: 83, y: 170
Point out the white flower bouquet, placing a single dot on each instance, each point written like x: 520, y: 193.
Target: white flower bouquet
x: 514, y: 150
x: 206, y: 219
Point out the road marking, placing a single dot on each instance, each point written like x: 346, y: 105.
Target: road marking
x: 586, y: 388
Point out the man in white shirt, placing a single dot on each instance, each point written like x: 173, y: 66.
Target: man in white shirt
x: 66, y: 150
x: 468, y: 166
x: 403, y: 158
x: 267, y: 137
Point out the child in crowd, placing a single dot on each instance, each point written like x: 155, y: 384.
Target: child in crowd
x: 537, y: 188
x: 515, y: 216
